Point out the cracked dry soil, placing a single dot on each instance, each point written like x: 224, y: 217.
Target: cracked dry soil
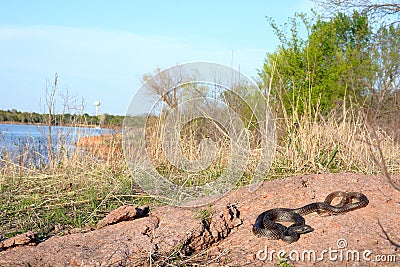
x: 169, y: 236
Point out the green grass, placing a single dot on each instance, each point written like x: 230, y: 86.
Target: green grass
x: 71, y: 198
x: 205, y: 214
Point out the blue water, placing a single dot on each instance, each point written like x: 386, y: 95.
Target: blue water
x: 29, y: 143
x: 13, y: 131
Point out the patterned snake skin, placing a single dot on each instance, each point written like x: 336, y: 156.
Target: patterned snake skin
x: 266, y: 225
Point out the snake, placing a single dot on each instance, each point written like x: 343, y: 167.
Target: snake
x: 266, y: 224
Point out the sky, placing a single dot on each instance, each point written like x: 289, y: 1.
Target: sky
x: 100, y: 49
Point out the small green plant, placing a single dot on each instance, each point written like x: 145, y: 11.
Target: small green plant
x: 282, y: 262
x: 205, y: 215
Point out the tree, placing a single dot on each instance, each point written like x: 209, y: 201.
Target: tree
x: 317, y: 73
x: 172, y: 87
x: 163, y: 85
x: 384, y: 92
x: 385, y: 47
x: 387, y: 56
x: 387, y: 12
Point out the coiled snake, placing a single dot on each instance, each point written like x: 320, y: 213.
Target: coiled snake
x: 266, y: 223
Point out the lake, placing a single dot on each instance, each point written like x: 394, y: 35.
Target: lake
x: 15, y: 131
x: 31, y: 141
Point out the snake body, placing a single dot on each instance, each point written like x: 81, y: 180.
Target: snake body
x: 266, y: 223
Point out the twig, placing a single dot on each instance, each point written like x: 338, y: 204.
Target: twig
x: 387, y: 236
x: 381, y: 163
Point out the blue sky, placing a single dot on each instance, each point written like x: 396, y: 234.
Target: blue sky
x: 101, y: 49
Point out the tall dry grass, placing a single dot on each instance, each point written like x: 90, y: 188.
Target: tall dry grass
x: 192, y: 139
x: 88, y: 182
x: 338, y: 142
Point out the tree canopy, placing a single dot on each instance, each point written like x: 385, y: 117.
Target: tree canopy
x: 340, y: 59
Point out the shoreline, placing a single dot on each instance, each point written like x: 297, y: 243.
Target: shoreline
x: 63, y: 125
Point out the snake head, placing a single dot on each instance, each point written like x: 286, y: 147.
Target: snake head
x: 292, y: 233
x: 302, y: 229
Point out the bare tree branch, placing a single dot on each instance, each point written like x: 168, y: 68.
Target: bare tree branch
x: 165, y: 85
x: 382, y: 11
x: 381, y: 162
x: 50, y: 103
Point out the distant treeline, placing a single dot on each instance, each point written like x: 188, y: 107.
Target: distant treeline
x: 104, y: 120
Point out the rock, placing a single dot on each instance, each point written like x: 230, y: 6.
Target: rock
x: 18, y: 240
x: 166, y: 230
x: 123, y: 213
x: 221, y: 224
x: 188, y: 232
x: 222, y: 235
